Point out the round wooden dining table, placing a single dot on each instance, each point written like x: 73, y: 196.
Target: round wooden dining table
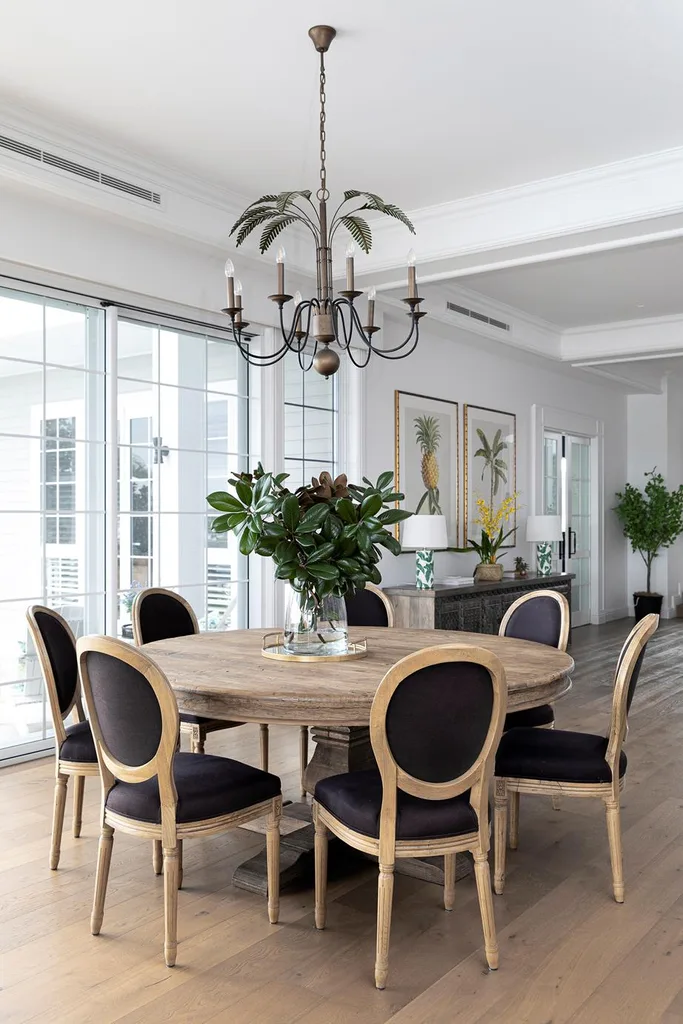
x: 224, y: 675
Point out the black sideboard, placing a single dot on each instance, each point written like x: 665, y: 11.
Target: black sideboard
x: 477, y: 608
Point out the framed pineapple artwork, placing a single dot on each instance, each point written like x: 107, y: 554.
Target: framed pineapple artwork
x: 490, y: 461
x: 427, y: 458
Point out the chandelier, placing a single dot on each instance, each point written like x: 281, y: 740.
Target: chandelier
x: 318, y: 323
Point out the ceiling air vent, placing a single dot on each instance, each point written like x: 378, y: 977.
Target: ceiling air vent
x: 80, y: 170
x: 453, y: 307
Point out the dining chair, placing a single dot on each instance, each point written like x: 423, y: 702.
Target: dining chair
x: 435, y: 723
x: 555, y: 762
x: 74, y: 746
x: 542, y: 616
x: 152, y: 790
x: 160, y: 614
x: 369, y: 607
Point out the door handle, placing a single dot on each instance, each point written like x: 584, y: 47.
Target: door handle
x: 572, y: 534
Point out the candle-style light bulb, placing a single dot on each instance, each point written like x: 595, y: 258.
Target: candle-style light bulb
x: 280, y: 260
x: 298, y: 297
x: 372, y: 292
x: 230, y: 275
x: 350, y: 275
x: 412, y: 277
x: 238, y: 303
x: 238, y: 288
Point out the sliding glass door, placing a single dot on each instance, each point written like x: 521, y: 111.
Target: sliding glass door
x: 567, y: 493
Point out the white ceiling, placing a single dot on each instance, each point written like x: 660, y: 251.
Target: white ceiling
x: 635, y: 282
x: 427, y: 102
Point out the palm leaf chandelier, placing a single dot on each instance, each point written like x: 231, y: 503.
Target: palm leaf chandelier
x: 320, y: 322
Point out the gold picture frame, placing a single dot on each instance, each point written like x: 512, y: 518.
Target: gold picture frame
x: 489, y: 421
x: 443, y: 469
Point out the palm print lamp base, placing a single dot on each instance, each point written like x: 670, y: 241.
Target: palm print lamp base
x: 543, y: 530
x: 425, y: 534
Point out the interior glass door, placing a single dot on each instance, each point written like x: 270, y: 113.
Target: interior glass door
x: 567, y: 493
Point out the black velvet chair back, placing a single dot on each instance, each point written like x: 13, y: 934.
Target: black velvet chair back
x: 436, y: 720
x: 366, y: 608
x: 161, y: 615
x: 633, y: 640
x: 629, y: 665
x: 542, y: 617
x: 126, y: 709
x: 59, y: 649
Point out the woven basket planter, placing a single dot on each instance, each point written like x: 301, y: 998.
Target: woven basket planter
x: 486, y: 573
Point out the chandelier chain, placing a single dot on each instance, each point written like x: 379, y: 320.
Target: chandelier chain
x: 323, y: 193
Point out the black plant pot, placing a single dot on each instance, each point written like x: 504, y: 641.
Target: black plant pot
x: 645, y: 603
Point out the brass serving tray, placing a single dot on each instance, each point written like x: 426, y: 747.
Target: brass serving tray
x: 273, y: 647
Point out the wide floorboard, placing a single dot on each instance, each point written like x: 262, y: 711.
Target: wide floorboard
x: 568, y: 952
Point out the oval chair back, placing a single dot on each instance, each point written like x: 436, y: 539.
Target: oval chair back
x: 435, y: 724
x: 160, y: 614
x: 55, y: 646
x: 626, y: 675
x: 134, y: 718
x: 369, y: 607
x: 542, y: 616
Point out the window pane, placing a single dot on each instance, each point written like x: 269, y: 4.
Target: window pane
x: 65, y: 335
x: 222, y: 367
x: 137, y: 346
x: 21, y: 326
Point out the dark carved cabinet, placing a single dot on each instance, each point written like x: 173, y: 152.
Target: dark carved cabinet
x: 478, y: 608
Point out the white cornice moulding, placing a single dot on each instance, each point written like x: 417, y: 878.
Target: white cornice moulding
x: 637, y: 189
x: 641, y: 339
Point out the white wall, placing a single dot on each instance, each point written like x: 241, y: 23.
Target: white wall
x: 655, y: 439
x: 462, y: 368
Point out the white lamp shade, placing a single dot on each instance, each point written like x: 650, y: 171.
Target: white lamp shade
x: 543, y: 528
x: 426, y: 533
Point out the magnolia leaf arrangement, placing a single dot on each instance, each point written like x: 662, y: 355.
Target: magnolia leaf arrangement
x: 276, y: 212
x: 324, y: 539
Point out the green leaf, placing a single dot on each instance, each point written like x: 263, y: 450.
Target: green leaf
x: 321, y: 554
x: 323, y: 571
x: 394, y: 515
x: 286, y: 198
x: 391, y: 211
x: 359, y: 230
x: 254, y: 222
x: 290, y: 512
x: 220, y: 524
x: 267, y: 505
x: 286, y: 551
x: 363, y: 539
x: 243, y: 493
x: 313, y: 518
x: 384, y: 480
x: 388, y: 542
x: 248, y: 542
x: 370, y: 506
x: 331, y: 528
x: 286, y: 571
x: 261, y: 487
x: 274, y: 530
x: 280, y: 478
x: 387, y: 498
x: 224, y: 502
x: 306, y: 541
x: 271, y: 231
x: 346, y: 510
x: 348, y: 565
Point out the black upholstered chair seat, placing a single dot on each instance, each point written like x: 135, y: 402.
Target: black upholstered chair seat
x: 355, y: 799
x: 79, y: 744
x: 555, y: 755
x: 207, y: 786
x: 530, y: 718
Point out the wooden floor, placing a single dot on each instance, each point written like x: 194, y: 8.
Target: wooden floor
x: 568, y: 952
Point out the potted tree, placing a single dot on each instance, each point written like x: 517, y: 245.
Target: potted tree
x: 652, y: 519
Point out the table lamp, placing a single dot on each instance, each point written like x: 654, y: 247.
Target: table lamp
x: 424, y: 535
x: 543, y: 530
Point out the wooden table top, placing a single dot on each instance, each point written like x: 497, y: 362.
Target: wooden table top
x: 224, y: 675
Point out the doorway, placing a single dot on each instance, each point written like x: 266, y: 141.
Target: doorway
x: 567, y: 493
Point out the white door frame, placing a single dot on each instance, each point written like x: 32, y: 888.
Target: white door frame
x: 563, y: 421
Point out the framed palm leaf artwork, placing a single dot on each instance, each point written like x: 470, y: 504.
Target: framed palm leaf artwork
x: 490, y: 461
x: 427, y: 458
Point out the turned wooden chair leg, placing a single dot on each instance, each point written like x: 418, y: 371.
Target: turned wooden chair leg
x: 385, y: 895
x: 197, y: 739
x: 273, y: 861
x: 101, y: 878
x: 614, y: 836
x: 157, y: 856
x: 263, y: 739
x: 513, y: 815
x: 171, y: 864
x: 303, y: 756
x: 449, y: 881
x: 500, y: 828
x: 321, y: 842
x: 180, y: 863
x: 483, y: 879
x: 79, y: 784
x: 58, y: 819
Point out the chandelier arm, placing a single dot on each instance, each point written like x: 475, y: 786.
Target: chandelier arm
x: 387, y: 353
x: 357, y: 362
x: 305, y: 219
x: 287, y: 336
x: 301, y: 352
x: 255, y: 358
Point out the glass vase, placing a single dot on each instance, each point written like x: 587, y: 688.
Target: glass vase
x: 315, y: 626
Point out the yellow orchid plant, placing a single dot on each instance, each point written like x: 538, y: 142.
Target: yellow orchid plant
x: 492, y: 520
